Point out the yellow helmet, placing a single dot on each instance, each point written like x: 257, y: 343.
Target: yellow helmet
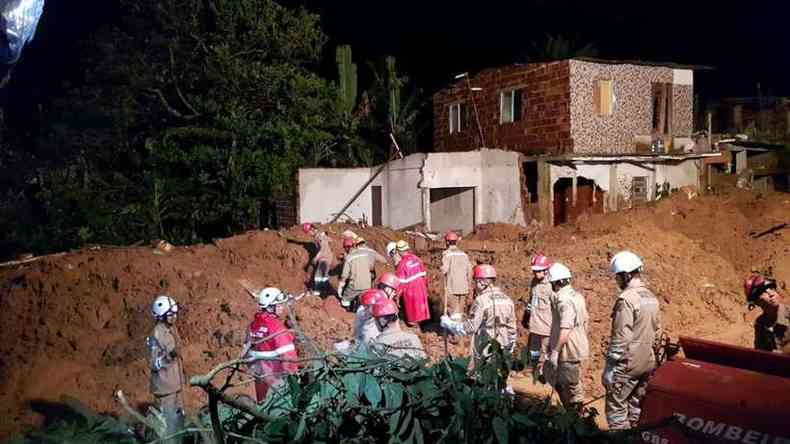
x: 402, y: 245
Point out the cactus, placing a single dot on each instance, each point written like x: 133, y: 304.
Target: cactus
x: 347, y: 72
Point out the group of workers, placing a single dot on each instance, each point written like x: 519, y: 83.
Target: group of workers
x: 556, y: 317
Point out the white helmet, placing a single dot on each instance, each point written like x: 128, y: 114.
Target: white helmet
x: 625, y: 262
x: 271, y: 296
x: 558, y: 272
x: 391, y: 248
x: 163, y: 306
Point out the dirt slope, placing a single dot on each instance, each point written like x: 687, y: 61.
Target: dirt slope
x: 75, y: 324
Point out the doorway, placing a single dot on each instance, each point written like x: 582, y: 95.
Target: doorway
x: 453, y: 209
x: 589, y: 199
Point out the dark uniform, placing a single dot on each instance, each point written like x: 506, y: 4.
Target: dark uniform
x: 773, y: 336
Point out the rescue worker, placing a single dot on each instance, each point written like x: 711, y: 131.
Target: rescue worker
x: 362, y: 245
x: 492, y: 316
x: 457, y: 270
x: 355, y: 277
x: 538, y: 315
x: 167, y: 371
x: 392, y: 253
x: 630, y: 359
x: 323, y: 260
x: 772, y: 327
x: 271, y: 342
x: 391, y: 339
x: 568, y: 343
x: 364, y: 327
x: 389, y: 284
x: 413, y: 285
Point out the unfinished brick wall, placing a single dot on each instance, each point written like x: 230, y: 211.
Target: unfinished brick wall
x: 544, y: 126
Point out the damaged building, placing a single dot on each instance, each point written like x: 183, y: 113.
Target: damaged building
x: 545, y: 141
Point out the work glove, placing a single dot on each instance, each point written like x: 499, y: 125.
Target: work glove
x: 343, y: 346
x: 446, y: 322
x: 607, y: 377
x: 554, y: 358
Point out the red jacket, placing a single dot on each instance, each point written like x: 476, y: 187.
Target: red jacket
x: 413, y: 288
x: 267, y: 325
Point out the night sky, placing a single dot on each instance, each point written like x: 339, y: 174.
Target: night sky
x: 747, y: 42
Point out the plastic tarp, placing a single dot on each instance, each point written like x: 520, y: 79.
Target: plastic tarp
x: 18, y: 21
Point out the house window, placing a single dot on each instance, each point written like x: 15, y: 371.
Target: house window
x: 457, y: 117
x: 639, y: 189
x: 510, y: 106
x: 604, y: 97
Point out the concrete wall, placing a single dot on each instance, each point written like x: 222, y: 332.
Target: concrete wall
x: 452, y: 209
x: 323, y: 191
x: 406, y: 184
x: 401, y: 193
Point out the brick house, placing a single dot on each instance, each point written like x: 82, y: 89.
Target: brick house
x: 583, y: 128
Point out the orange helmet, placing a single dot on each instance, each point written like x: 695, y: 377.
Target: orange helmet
x: 372, y: 296
x: 756, y: 285
x: 348, y: 242
x: 451, y: 236
x: 484, y: 271
x: 306, y: 227
x: 384, y: 307
x: 390, y: 280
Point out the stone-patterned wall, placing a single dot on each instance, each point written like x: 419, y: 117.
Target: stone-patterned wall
x: 545, y: 110
x: 633, y: 109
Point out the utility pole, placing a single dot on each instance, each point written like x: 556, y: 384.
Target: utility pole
x: 470, y: 90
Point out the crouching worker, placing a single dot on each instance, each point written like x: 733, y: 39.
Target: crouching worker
x: 391, y: 339
x: 364, y: 329
x: 492, y: 316
x: 167, y: 372
x: 270, y: 343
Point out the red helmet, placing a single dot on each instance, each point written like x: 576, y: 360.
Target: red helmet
x: 540, y: 263
x: 384, y: 307
x: 372, y: 296
x: 756, y: 285
x: 484, y: 271
x: 451, y: 236
x: 306, y: 227
x: 390, y: 280
x: 348, y: 242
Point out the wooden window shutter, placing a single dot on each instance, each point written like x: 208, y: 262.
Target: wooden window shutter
x: 603, y: 98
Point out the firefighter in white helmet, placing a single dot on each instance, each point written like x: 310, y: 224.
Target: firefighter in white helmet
x: 636, y: 324
x: 167, y: 371
x: 270, y: 343
x: 492, y: 316
x: 568, y: 343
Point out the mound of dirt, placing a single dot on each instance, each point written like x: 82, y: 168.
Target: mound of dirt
x: 77, y: 322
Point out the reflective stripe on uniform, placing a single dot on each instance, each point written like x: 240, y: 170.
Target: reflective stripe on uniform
x: 321, y: 279
x: 273, y: 353
x: 412, y: 278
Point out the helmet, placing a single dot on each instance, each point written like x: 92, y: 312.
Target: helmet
x: 372, y: 296
x: 306, y: 227
x: 348, y: 242
x: 384, y: 307
x: 271, y: 296
x: 163, y: 306
x: 756, y: 285
x: 391, y: 248
x: 350, y: 234
x: 359, y: 240
x: 390, y: 280
x: 625, y: 262
x: 540, y: 263
x: 402, y: 245
x: 484, y: 271
x: 558, y: 272
x: 451, y: 236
